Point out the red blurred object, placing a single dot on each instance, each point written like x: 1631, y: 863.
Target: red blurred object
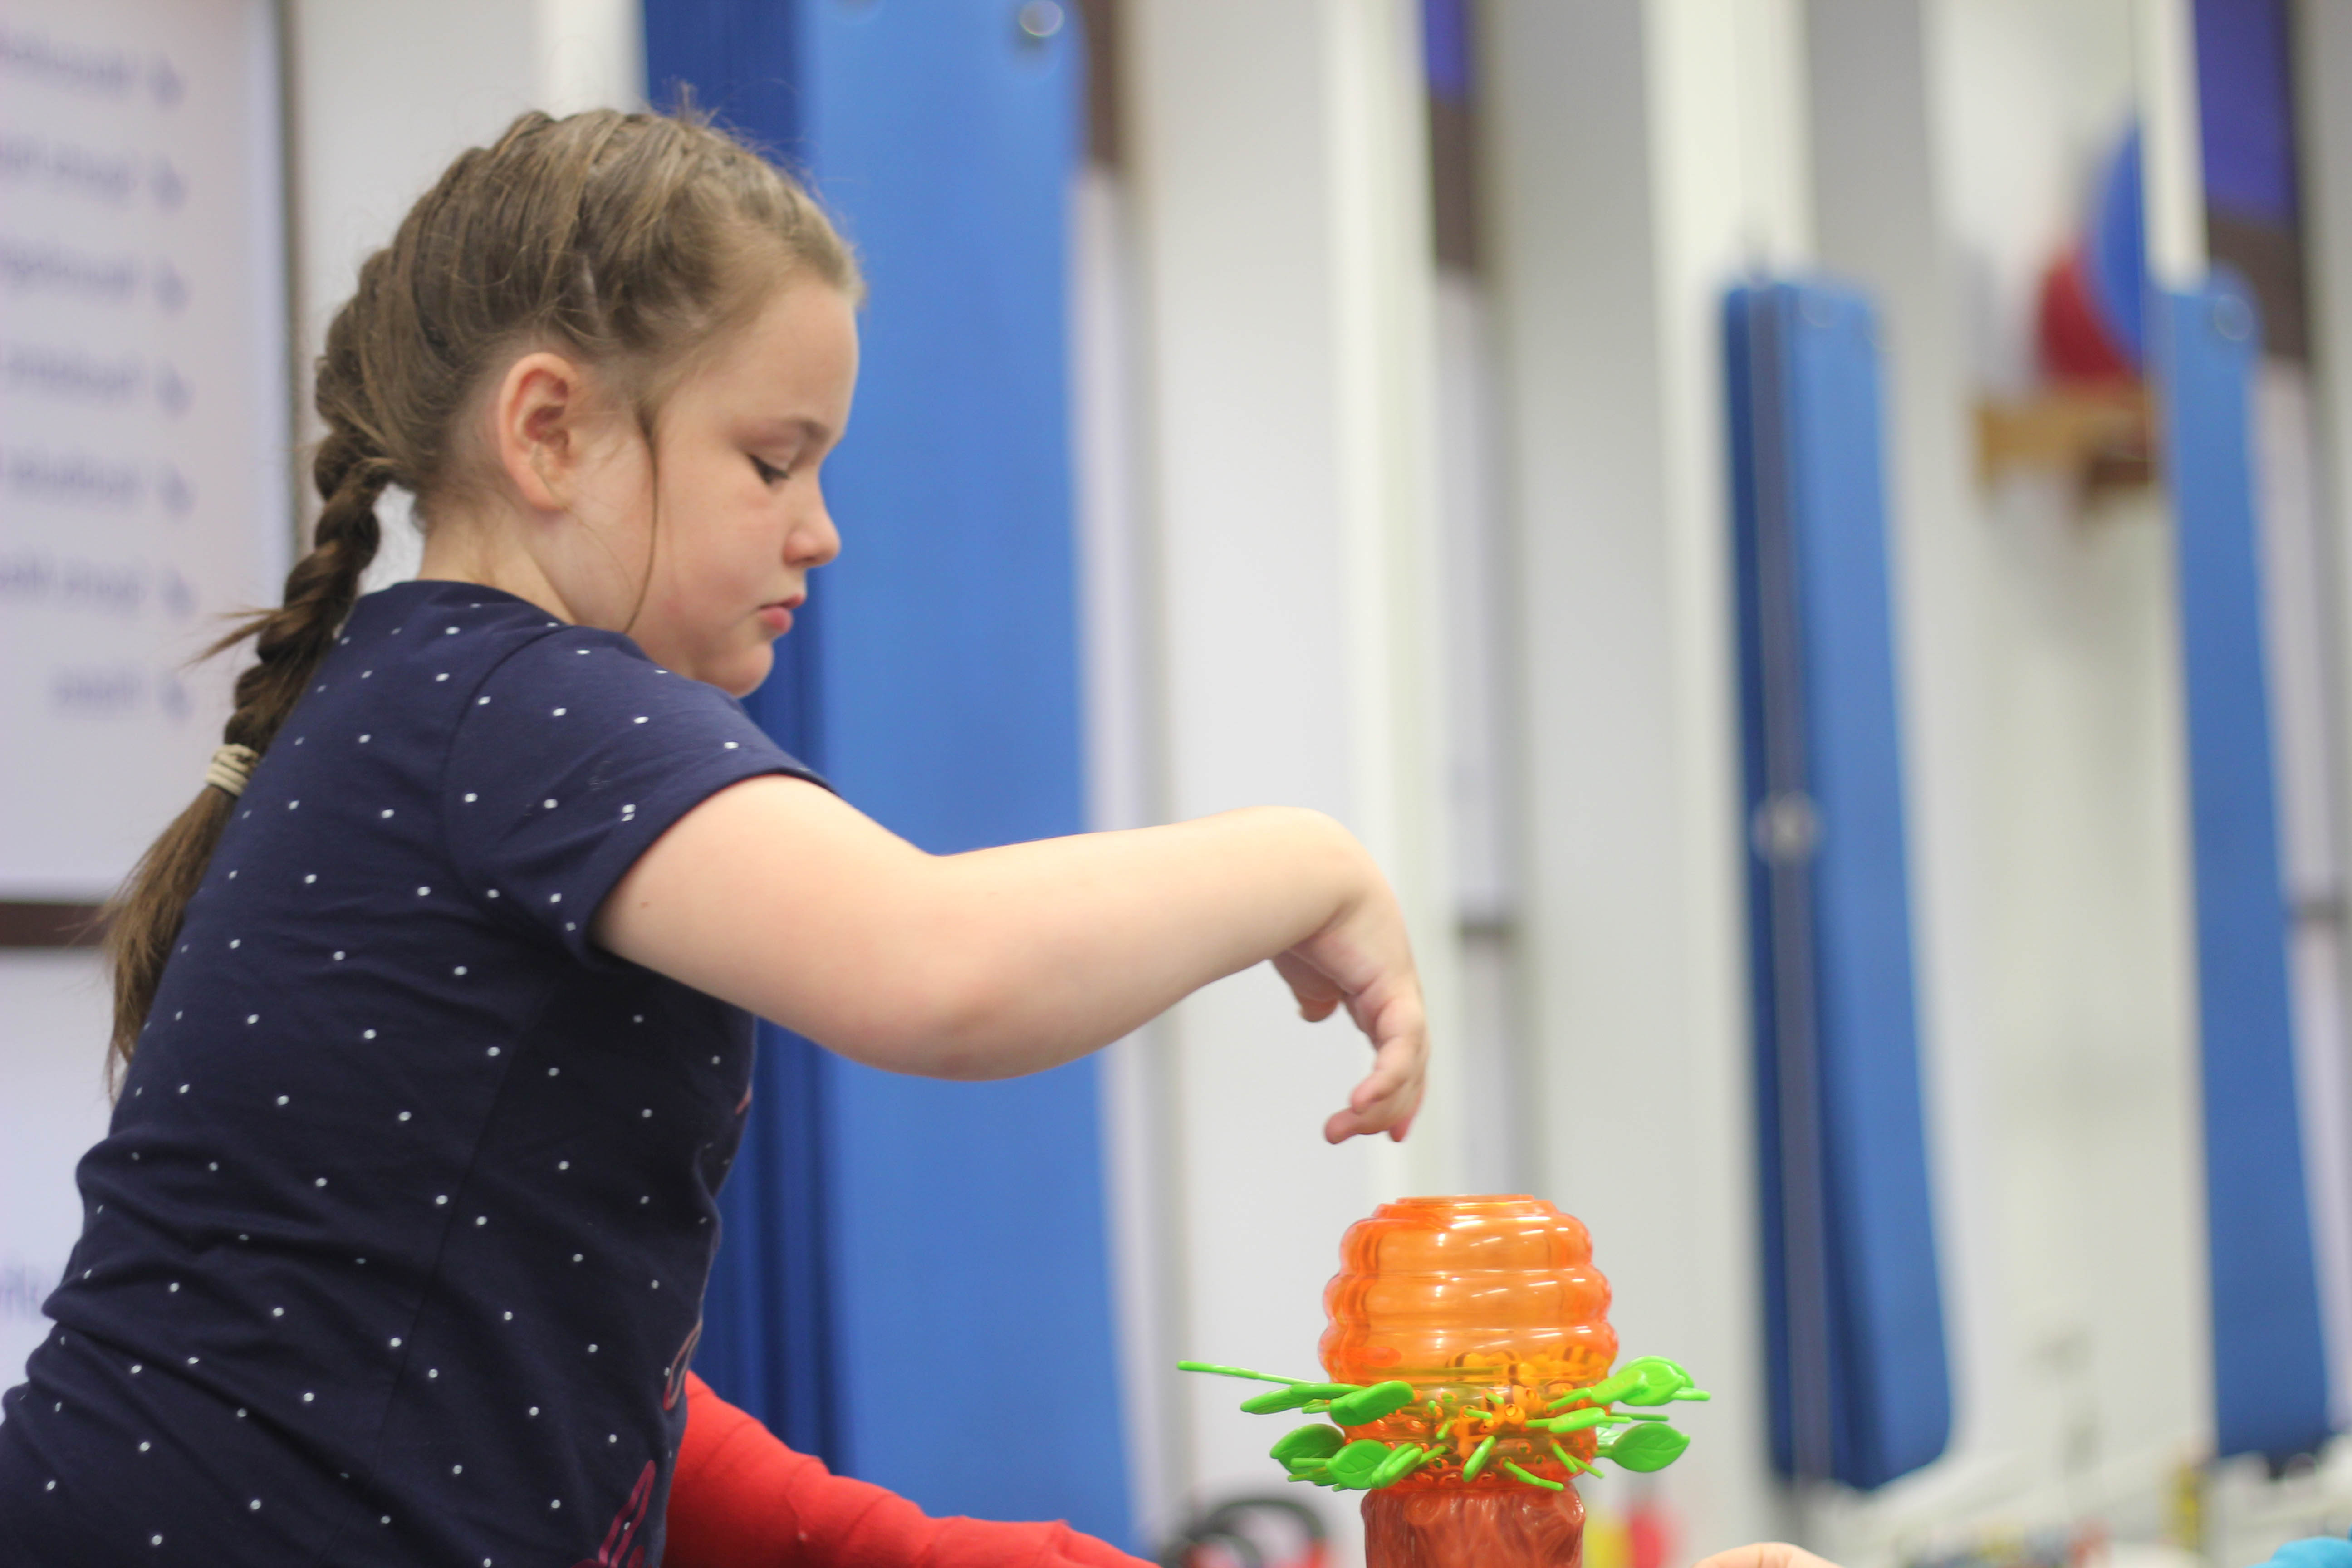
x: 1649, y: 1533
x: 2076, y: 348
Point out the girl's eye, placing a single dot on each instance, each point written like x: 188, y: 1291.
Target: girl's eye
x: 769, y: 473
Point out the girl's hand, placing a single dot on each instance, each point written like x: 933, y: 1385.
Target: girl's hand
x: 1362, y: 960
x: 1766, y: 1554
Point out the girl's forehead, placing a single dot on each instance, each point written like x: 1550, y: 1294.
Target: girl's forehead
x: 797, y: 358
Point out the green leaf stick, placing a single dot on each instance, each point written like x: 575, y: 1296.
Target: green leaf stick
x: 1576, y: 1467
x: 1356, y: 1465
x: 1647, y: 1380
x: 1577, y: 1421
x: 1235, y: 1371
x: 1364, y: 1406
x: 1292, y: 1395
x: 1645, y: 1447
x: 1478, y: 1458
x: 1536, y: 1479
x: 1317, y: 1442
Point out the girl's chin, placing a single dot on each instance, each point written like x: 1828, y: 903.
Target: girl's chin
x: 744, y: 673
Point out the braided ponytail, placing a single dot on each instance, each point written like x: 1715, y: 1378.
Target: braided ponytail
x: 632, y: 241
x: 143, y: 919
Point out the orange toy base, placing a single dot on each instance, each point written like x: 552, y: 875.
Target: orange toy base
x: 1465, y: 1526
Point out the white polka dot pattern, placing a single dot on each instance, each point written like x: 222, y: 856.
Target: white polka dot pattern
x: 396, y: 1033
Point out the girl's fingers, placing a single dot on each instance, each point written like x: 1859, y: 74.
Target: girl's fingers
x: 1318, y: 997
x: 1766, y: 1554
x: 1389, y: 1097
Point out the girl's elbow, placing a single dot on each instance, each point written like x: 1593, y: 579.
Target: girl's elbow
x: 946, y: 1027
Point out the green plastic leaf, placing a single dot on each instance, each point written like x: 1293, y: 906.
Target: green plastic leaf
x: 1602, y: 1393
x: 1656, y: 1381
x: 1316, y: 1442
x: 1402, y: 1462
x: 1648, y: 1446
x: 1579, y: 1420
x: 1296, y: 1395
x: 1366, y: 1405
x: 1478, y: 1458
x: 1357, y: 1463
x: 1274, y: 1400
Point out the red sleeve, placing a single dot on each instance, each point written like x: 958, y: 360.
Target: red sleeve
x: 741, y: 1500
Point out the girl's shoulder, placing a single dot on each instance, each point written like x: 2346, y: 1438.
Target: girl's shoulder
x: 454, y: 629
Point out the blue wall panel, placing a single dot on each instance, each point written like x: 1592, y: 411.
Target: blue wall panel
x: 967, y: 1220
x: 959, y: 1229
x: 768, y: 1341
x: 2269, y: 1365
x: 1854, y: 1309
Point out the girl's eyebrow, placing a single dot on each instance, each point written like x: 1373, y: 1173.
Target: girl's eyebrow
x: 816, y: 432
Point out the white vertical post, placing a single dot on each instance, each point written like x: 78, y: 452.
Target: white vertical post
x: 1282, y: 230
x: 2322, y: 31
x: 1640, y: 159
x: 2172, y: 164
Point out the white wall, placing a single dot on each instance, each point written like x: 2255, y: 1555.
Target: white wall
x: 2044, y: 710
x: 385, y: 95
x: 1282, y: 247
x: 58, y: 1010
x: 1638, y: 157
x: 108, y: 728
x: 1940, y: 153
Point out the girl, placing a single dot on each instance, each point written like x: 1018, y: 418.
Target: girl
x: 434, y: 1009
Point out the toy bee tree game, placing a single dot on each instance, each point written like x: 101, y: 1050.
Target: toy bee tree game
x: 1468, y: 1383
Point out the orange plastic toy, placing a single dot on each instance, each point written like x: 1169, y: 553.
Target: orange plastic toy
x: 1469, y: 1354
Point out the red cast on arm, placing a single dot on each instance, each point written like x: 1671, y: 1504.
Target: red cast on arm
x: 741, y: 1500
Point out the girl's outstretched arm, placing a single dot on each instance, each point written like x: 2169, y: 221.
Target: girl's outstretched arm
x: 742, y: 1499
x: 782, y: 898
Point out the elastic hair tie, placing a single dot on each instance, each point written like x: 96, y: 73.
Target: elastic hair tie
x: 231, y: 768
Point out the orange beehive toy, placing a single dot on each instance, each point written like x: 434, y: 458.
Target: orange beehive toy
x: 1468, y: 1355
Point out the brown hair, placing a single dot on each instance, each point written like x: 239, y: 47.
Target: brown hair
x: 634, y: 241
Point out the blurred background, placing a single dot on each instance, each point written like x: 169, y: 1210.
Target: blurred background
x: 1809, y: 536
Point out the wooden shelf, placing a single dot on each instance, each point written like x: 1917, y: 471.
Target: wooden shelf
x: 2102, y: 436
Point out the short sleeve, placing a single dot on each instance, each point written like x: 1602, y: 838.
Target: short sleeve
x: 572, y: 757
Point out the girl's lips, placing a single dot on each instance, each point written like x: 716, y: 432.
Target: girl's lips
x: 777, y: 618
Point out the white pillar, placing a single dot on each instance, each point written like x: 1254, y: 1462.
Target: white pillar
x: 1277, y: 163
x: 2172, y: 153
x: 1640, y: 158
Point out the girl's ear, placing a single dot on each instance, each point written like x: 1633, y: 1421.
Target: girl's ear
x: 538, y: 417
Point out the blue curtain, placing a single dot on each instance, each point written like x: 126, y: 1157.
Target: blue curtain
x: 2270, y: 1362
x: 917, y: 1272
x: 1861, y: 1386
x: 768, y: 1341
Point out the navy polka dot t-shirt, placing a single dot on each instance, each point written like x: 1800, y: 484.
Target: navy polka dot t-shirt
x: 394, y: 1250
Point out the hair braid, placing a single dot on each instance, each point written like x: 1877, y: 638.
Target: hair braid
x: 144, y: 919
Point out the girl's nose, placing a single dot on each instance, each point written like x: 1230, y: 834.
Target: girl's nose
x: 813, y: 541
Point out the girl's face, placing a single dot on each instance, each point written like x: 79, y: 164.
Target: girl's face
x: 703, y: 556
